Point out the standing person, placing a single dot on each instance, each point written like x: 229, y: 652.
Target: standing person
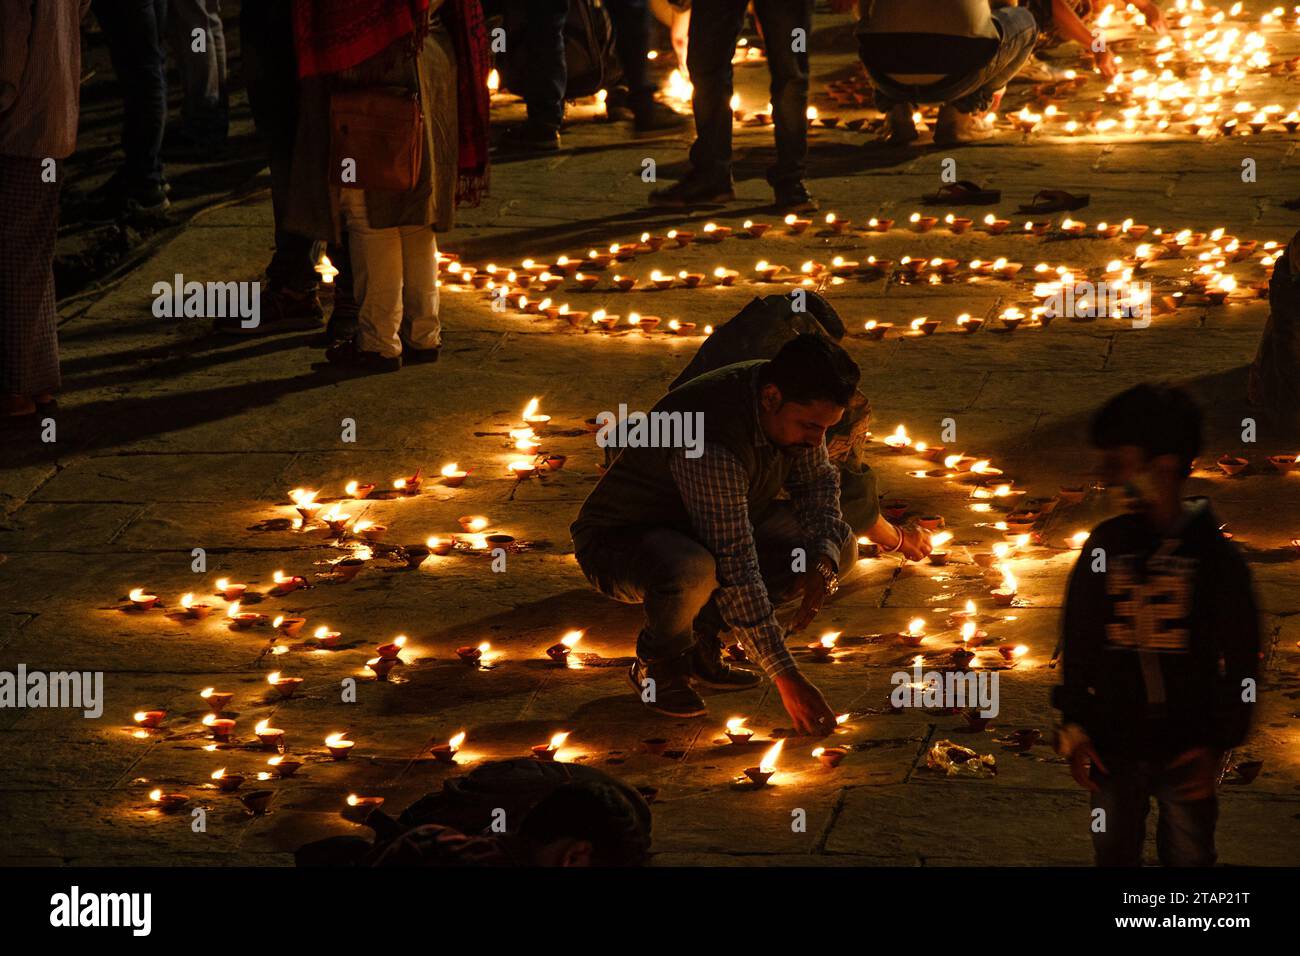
x: 696, y: 532
x: 198, y: 43
x: 40, y: 90
x: 547, y: 78
x: 437, y: 51
x: 1161, y: 641
x: 134, y: 30
x: 1274, y: 381
x: 715, y: 28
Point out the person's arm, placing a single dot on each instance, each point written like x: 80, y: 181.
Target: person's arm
x: 15, y: 40
x: 1069, y: 25
x: 1236, y: 631
x: 1082, y: 633
x: 814, y: 487
x: 1154, y: 16
x: 912, y: 543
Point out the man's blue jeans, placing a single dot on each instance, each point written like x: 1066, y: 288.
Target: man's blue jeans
x: 134, y: 31
x: 1188, y: 804
x: 715, y: 28
x: 972, y: 93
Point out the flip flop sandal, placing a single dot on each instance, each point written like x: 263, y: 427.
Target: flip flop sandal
x: 962, y: 193
x: 1055, y: 200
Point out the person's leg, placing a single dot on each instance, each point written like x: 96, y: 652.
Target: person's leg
x: 134, y: 31
x: 780, y: 19
x: 715, y: 27
x: 421, y: 327
x: 547, y: 75
x: 29, y: 346
x: 1019, y: 32
x: 376, y: 277
x: 199, y: 47
x: 1119, y: 831
x: 631, y: 20
x: 1188, y: 802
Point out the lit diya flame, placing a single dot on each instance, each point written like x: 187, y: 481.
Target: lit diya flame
x: 829, y: 638
x: 1077, y: 539
x: 841, y: 719
x: 557, y: 741
x: 970, y: 608
x: 453, y: 471
x: 768, y: 763
x: 155, y: 795
x: 967, y: 631
x: 1009, y: 580
x: 326, y: 269
x: 531, y: 416
x: 899, y: 439
x: 455, y: 742
x: 339, y: 742
x: 476, y: 524
x: 916, y: 627
x: 218, y: 774
x: 940, y: 539
x: 138, y: 596
x: 736, y: 725
x: 304, y: 498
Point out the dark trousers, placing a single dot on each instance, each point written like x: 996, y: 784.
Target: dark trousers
x: 29, y: 215
x: 271, y: 75
x: 547, y: 70
x: 715, y: 28
x: 134, y: 30
x: 1188, y: 805
x: 675, y: 576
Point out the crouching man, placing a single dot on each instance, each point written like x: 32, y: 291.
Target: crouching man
x: 699, y: 536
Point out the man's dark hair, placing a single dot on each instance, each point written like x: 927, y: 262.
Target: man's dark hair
x: 591, y: 811
x: 810, y: 369
x: 1159, y: 419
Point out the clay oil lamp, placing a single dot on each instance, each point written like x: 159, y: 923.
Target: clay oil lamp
x: 227, y: 782
x: 931, y: 523
x: 283, y: 765
x: 652, y: 243
x: 324, y: 637
x: 453, y: 476
x: 168, y: 802
x: 337, y: 520
x: 150, y: 719
x: 522, y: 469
x: 915, y: 632
x: 690, y: 280
x: 766, y: 768
x: 140, y: 601
x: 241, y: 620
x: 272, y: 738
x: 192, y: 610
x: 911, y: 267
x: 597, y: 261
x: 968, y: 323
x: 844, y: 267
x: 304, y: 502
x: 829, y: 756
x: 547, y: 751
x: 1232, y: 466
x: 822, y: 649
x: 924, y: 326
x: 655, y: 746
x: 257, y: 802
x: 962, y: 657
x: 286, y: 687
x: 967, y: 613
x: 880, y: 225
x: 1005, y: 595
x: 381, y: 667
x: 929, y: 452
x: 835, y: 224
x: 756, y: 229
x: 876, y: 330
x: 725, y: 276
x: 393, y: 649
x: 221, y: 727
x: 898, y: 440
x: 971, y: 635
x: 712, y: 232
x: 1284, y: 463
x: 922, y: 223
x: 994, y: 225
x: 446, y: 753
x: 560, y: 651
x: 680, y: 328
x: 1072, y: 227
x: 217, y: 700
x: 683, y: 237
x: 1218, y: 293
x: 1071, y: 494
x: 1040, y: 228
x: 1107, y: 230
x: 585, y: 280
x: 736, y: 653
x: 288, y: 626
x: 895, y: 510
x: 285, y: 583
x: 767, y: 271
x: 624, y: 283
x: 1012, y: 653
x: 472, y: 523
x: 498, y: 540
x: 1134, y: 230
x: 231, y: 592
x: 415, y: 554
x: 737, y: 732
x: 938, y: 557
x: 662, y: 281
x: 359, y: 807
x: 473, y: 654
x: 339, y: 746
x: 410, y: 485
x: 957, y: 224
x: 345, y: 569
x: 796, y: 226
x: 1076, y: 541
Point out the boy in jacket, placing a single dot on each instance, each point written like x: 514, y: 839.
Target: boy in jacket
x: 1161, y: 642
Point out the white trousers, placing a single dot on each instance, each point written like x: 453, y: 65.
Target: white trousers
x: 394, y: 277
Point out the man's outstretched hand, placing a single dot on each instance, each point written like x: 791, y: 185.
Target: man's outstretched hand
x: 805, y: 704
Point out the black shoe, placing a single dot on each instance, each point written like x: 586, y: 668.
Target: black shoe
x: 412, y: 355
x: 279, y: 311
x: 349, y: 356
x: 673, y: 694
x: 530, y: 137
x: 618, y: 105
x: 656, y: 118
x: 694, y: 191
x: 147, y: 204
x: 343, y: 320
x: 794, y: 197
x: 709, y: 669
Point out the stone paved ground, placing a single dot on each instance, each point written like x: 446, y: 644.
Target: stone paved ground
x: 170, y: 440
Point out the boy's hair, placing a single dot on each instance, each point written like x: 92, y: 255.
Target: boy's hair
x: 809, y: 369
x: 1159, y: 419
x: 596, y: 812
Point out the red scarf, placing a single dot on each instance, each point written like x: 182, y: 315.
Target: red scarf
x: 334, y: 35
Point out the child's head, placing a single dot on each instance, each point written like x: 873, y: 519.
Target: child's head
x: 1149, y: 436
x: 584, y: 824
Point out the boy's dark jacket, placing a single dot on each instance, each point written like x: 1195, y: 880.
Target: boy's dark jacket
x: 1183, y: 601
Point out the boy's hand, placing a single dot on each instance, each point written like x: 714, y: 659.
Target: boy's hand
x: 805, y: 704
x: 1105, y: 62
x: 1082, y: 758
x: 916, y: 543
x: 1203, y: 772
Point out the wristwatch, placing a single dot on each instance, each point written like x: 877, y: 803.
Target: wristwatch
x: 828, y: 573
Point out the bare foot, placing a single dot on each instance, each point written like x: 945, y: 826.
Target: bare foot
x: 899, y: 127
x: 954, y: 127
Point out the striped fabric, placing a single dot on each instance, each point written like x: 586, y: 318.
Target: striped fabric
x: 715, y: 489
x: 29, y: 348
x: 40, y: 76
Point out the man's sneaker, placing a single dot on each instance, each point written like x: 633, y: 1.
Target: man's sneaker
x: 694, y: 191
x: 350, y: 357
x: 344, y: 320
x: 953, y: 127
x: 900, y: 127
x: 412, y: 356
x: 672, y: 694
x: 139, y: 203
x: 530, y: 137
x: 709, y: 669
x: 655, y: 119
x: 279, y: 311
x: 794, y: 197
